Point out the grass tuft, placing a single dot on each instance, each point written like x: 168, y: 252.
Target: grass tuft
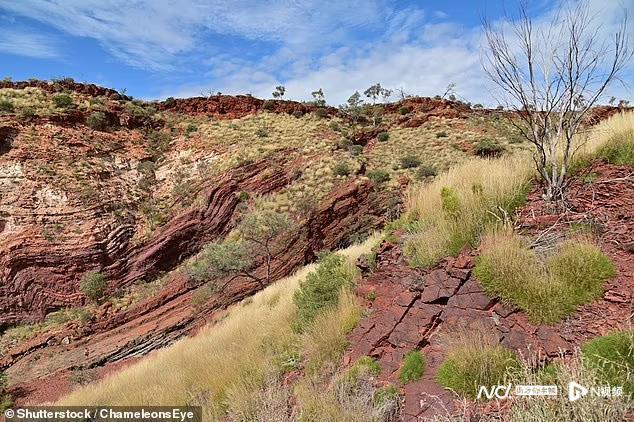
x: 547, y: 290
x: 611, y: 358
x: 413, y: 367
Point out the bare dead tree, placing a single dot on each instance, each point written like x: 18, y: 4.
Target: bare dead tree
x: 552, y: 74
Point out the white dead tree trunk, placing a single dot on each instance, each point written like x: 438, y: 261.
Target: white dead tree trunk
x: 552, y: 74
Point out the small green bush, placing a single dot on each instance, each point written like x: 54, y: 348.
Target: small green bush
x: 6, y: 106
x: 321, y: 113
x: 413, y: 367
x: 378, y: 176
x: 94, y: 286
x: 341, y: 169
x: 320, y: 291
x: 404, y: 110
x: 383, y: 137
x: 611, y: 358
x: 62, y: 100
x: 426, y: 170
x: 488, y: 148
x: 466, y: 369
x: 334, y: 126
x: 262, y: 132
x: 619, y: 149
x: 298, y: 114
x: 97, y: 121
x: 268, y: 105
x: 355, y: 150
x: 410, y: 161
x: 441, y: 134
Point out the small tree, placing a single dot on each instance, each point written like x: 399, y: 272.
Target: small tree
x: 319, y: 99
x: 552, y: 75
x: 259, y: 233
x: 279, y: 92
x: 375, y: 92
x: 94, y: 285
x: 450, y: 92
x: 353, y: 108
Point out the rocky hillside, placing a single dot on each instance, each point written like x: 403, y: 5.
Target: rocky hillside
x: 97, y: 186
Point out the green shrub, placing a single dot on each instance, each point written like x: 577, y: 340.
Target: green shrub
x: 97, y: 121
x: 298, y: 114
x: 410, y: 161
x: 5, y: 399
x: 321, y: 113
x: 488, y: 148
x: 94, y: 286
x: 441, y: 134
x: 262, y: 132
x: 573, y: 275
x: 426, y: 170
x: 611, y: 358
x: 334, y: 126
x: 467, y: 368
x: 404, y: 110
x: 191, y: 128
x: 28, y: 113
x: 341, y: 169
x: 619, y: 149
x: 320, y: 291
x: 268, y: 105
x: 378, y: 176
x: 62, y: 100
x: 383, y: 137
x: 6, y: 106
x: 355, y: 150
x: 413, y: 367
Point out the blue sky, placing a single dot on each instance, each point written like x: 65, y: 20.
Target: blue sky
x: 160, y: 48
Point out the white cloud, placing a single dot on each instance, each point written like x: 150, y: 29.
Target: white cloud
x: 151, y: 33
x: 23, y: 43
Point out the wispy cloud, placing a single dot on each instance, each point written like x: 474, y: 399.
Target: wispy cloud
x: 24, y: 43
x: 151, y: 33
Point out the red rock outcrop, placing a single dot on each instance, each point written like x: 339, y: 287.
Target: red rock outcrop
x: 235, y: 107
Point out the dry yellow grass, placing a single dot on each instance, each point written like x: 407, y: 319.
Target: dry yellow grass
x: 453, y: 210
x: 223, y: 366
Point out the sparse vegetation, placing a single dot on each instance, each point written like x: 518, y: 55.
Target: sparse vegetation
x: 413, y: 367
x: 404, y: 110
x: 94, y: 286
x: 572, y: 275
